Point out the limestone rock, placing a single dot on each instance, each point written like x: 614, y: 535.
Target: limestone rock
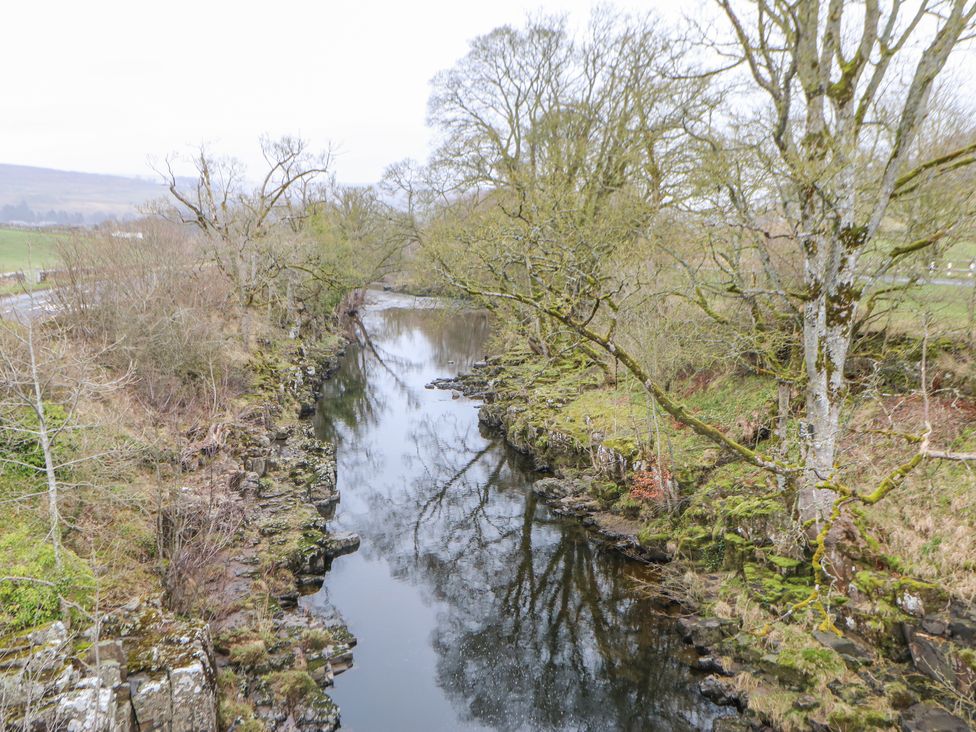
x: 193, y: 706
x: 152, y: 701
x: 342, y: 542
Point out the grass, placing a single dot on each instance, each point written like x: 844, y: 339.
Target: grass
x: 949, y: 305
x: 26, y: 553
x: 25, y: 249
x: 962, y: 252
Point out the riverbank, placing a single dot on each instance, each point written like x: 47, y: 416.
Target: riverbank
x: 210, y: 634
x: 906, y: 658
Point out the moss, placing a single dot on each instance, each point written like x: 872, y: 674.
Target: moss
x: 739, y: 508
x: 846, y: 718
x: 899, y: 695
x: 736, y: 540
x: 650, y: 535
x: 786, y: 564
x: 771, y: 589
x: 628, y: 505
x: 25, y: 552
x: 889, y: 588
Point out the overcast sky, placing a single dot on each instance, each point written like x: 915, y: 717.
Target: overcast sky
x: 105, y: 85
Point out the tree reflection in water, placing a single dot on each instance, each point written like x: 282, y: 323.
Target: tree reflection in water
x: 535, y: 626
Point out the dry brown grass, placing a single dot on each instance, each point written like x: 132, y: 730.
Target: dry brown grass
x: 927, y: 527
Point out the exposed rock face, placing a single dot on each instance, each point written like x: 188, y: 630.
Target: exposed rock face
x: 151, y: 672
x: 286, y: 536
x: 343, y: 542
x: 574, y: 497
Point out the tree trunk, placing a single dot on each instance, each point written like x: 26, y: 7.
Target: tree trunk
x: 45, y: 440
x: 827, y: 326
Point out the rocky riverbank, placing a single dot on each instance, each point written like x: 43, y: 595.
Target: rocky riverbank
x: 243, y: 655
x: 905, y: 660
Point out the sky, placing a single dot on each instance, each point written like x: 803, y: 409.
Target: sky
x: 112, y: 86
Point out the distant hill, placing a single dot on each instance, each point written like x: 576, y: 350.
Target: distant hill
x: 42, y: 196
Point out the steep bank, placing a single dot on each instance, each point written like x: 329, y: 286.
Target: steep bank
x: 906, y: 659
x: 237, y: 652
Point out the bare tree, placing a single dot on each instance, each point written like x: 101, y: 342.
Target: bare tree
x: 239, y: 219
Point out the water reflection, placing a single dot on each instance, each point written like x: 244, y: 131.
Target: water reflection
x: 476, y: 608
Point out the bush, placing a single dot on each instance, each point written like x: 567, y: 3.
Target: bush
x: 165, y: 317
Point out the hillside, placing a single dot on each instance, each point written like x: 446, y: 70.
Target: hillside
x: 30, y: 195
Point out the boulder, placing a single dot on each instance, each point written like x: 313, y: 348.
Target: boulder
x: 929, y: 654
x: 852, y: 653
x: 152, y: 701
x: 95, y: 709
x: 705, y: 633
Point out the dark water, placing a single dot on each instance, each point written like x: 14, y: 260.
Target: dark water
x: 475, y: 607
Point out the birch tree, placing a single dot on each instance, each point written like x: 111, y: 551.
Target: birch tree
x: 842, y: 128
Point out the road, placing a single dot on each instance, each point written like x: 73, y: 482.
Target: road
x: 26, y: 305
x: 955, y: 282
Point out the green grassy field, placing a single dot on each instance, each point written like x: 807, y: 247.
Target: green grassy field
x: 20, y: 249
x: 950, y: 308
x: 962, y: 252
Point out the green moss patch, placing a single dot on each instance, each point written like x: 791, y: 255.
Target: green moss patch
x: 25, y: 553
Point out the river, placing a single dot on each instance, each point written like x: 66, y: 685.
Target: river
x: 475, y: 607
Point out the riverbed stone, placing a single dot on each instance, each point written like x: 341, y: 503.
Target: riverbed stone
x: 723, y: 693
x: 705, y: 633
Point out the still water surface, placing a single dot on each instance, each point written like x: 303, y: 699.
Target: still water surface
x: 475, y: 607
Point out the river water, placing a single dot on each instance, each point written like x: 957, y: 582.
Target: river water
x: 475, y: 607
